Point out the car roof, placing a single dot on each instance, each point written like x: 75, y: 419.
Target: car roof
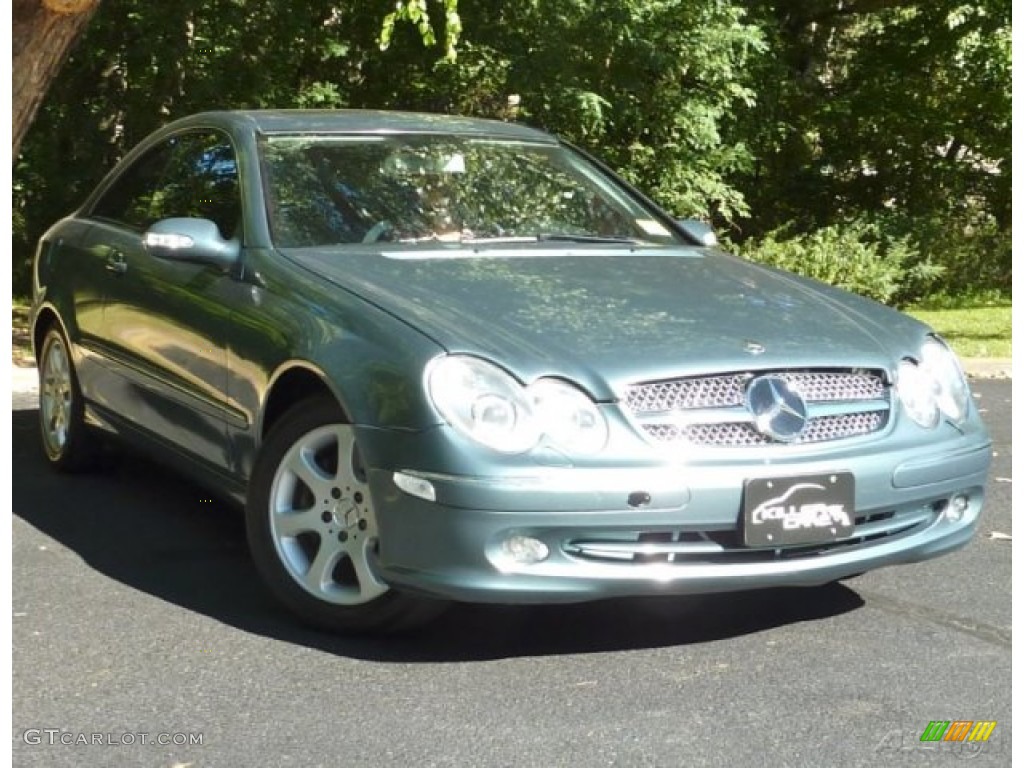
x: 291, y: 121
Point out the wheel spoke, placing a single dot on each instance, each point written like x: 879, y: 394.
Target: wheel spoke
x: 303, y: 465
x: 59, y: 362
x: 369, y: 585
x: 290, y: 524
x: 319, y: 576
x: 348, y: 455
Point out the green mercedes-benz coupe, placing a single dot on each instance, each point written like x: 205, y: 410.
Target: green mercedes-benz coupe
x: 441, y: 359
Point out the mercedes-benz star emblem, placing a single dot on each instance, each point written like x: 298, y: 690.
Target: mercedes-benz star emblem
x: 778, y: 411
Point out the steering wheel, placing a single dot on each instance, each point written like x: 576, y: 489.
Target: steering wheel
x: 377, y: 231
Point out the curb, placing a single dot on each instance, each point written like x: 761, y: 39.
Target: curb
x: 988, y: 367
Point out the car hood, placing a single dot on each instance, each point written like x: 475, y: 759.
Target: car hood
x: 606, y: 317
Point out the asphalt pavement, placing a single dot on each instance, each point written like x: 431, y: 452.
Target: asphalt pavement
x: 139, y: 619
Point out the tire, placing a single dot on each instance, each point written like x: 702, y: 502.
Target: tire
x: 312, y: 528
x: 67, y: 442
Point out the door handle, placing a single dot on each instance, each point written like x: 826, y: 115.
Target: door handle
x: 116, y: 263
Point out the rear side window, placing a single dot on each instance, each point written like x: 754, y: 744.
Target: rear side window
x: 194, y: 175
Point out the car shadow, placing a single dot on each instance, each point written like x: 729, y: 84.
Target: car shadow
x: 149, y: 529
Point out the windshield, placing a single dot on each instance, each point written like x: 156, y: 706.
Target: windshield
x: 412, y: 189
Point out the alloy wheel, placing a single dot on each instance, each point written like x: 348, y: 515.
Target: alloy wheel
x: 322, y: 518
x: 56, y: 395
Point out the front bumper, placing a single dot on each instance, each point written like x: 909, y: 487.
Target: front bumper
x: 686, y: 540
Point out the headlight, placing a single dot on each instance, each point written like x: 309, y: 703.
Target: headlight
x: 917, y: 393
x: 483, y: 402
x: 487, y: 404
x: 952, y: 393
x: 934, y: 386
x: 568, y: 417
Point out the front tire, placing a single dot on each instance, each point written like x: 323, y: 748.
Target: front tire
x: 312, y: 526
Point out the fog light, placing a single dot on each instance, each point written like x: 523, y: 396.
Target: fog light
x: 525, y: 549
x: 957, y: 507
x: 415, y: 486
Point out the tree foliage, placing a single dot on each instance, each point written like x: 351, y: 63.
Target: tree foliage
x: 892, y: 110
x: 783, y: 116
x: 417, y: 12
x: 854, y: 255
x: 645, y: 85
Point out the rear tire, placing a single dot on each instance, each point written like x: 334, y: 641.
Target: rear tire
x: 67, y: 442
x: 312, y: 526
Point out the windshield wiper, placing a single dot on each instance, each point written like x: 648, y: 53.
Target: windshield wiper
x: 570, y: 238
x: 498, y: 239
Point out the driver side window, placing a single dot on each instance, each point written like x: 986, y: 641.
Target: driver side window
x: 191, y: 175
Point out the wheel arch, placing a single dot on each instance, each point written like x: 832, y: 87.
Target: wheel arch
x: 290, y: 384
x: 45, y: 318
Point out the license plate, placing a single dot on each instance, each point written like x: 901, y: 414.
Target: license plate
x: 789, y: 511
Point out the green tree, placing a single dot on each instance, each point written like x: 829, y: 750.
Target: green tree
x: 784, y: 116
x: 142, y: 64
x: 893, y: 111
x: 643, y: 83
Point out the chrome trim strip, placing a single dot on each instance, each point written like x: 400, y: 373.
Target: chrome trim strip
x: 740, y: 415
x: 626, y: 550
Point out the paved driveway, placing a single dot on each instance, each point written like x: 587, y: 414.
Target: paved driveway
x: 138, y: 617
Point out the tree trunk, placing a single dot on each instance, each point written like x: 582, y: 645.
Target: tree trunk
x: 43, y: 32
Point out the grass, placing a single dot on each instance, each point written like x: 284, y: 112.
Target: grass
x: 984, y: 331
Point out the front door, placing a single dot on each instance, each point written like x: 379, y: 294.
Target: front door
x: 165, y: 322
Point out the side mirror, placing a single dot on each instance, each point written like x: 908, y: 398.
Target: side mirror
x: 193, y: 240
x: 699, y: 231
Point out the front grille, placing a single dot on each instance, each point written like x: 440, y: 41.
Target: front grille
x: 818, y: 430
x: 710, y: 410
x: 728, y: 390
x: 702, y: 392
x: 696, y: 547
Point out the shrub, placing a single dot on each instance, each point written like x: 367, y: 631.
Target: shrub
x: 967, y: 242
x: 856, y: 256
